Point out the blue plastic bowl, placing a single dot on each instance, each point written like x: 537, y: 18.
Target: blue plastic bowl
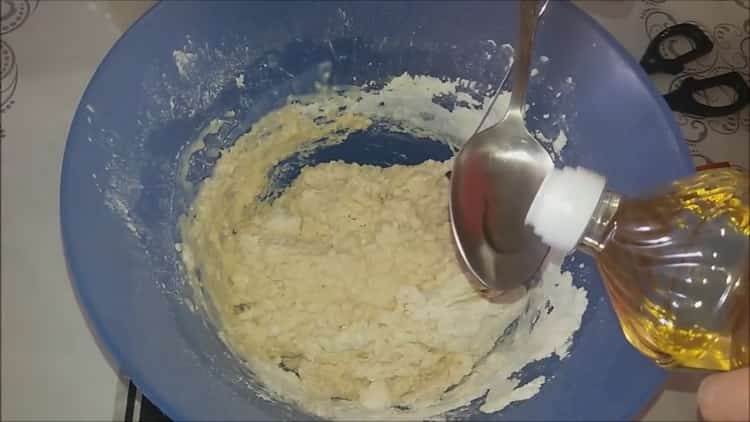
x: 119, y: 203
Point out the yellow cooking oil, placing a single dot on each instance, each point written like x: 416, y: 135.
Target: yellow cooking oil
x: 675, y: 265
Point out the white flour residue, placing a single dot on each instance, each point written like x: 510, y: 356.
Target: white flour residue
x: 117, y: 205
x: 120, y: 184
x: 203, y: 71
x: 560, y: 143
x: 184, y: 62
x: 239, y: 81
x: 496, y: 401
x: 408, y: 100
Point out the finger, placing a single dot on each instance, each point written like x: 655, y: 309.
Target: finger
x: 726, y: 396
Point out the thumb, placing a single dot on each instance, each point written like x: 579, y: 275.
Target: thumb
x: 725, y: 396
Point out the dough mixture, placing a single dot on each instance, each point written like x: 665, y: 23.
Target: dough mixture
x: 344, y: 293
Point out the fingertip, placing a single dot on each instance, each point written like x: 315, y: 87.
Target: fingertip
x: 706, y: 393
x: 724, y: 396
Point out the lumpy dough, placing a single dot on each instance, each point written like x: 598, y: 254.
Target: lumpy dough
x: 345, y: 290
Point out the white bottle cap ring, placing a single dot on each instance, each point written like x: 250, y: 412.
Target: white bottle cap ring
x: 563, y: 206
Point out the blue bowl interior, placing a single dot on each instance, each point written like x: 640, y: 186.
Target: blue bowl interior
x: 126, y: 138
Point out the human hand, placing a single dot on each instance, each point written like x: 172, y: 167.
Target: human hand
x: 726, y: 396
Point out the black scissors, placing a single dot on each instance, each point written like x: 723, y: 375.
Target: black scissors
x: 682, y: 99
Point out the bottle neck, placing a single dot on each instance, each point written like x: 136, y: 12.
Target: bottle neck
x: 600, y: 224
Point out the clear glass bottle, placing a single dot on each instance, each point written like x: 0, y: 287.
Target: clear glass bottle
x: 675, y: 263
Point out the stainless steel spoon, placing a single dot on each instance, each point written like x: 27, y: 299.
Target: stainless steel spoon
x: 494, y: 179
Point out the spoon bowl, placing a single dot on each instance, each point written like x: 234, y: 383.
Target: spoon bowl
x: 494, y: 179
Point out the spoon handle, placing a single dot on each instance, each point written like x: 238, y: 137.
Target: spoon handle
x: 522, y: 55
x: 500, y: 86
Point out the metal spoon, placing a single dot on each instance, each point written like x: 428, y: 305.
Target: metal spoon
x: 494, y: 179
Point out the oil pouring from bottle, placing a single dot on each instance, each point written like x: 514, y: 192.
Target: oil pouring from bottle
x: 674, y: 263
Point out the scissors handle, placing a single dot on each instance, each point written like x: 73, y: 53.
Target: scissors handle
x: 654, y: 62
x: 683, y: 99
